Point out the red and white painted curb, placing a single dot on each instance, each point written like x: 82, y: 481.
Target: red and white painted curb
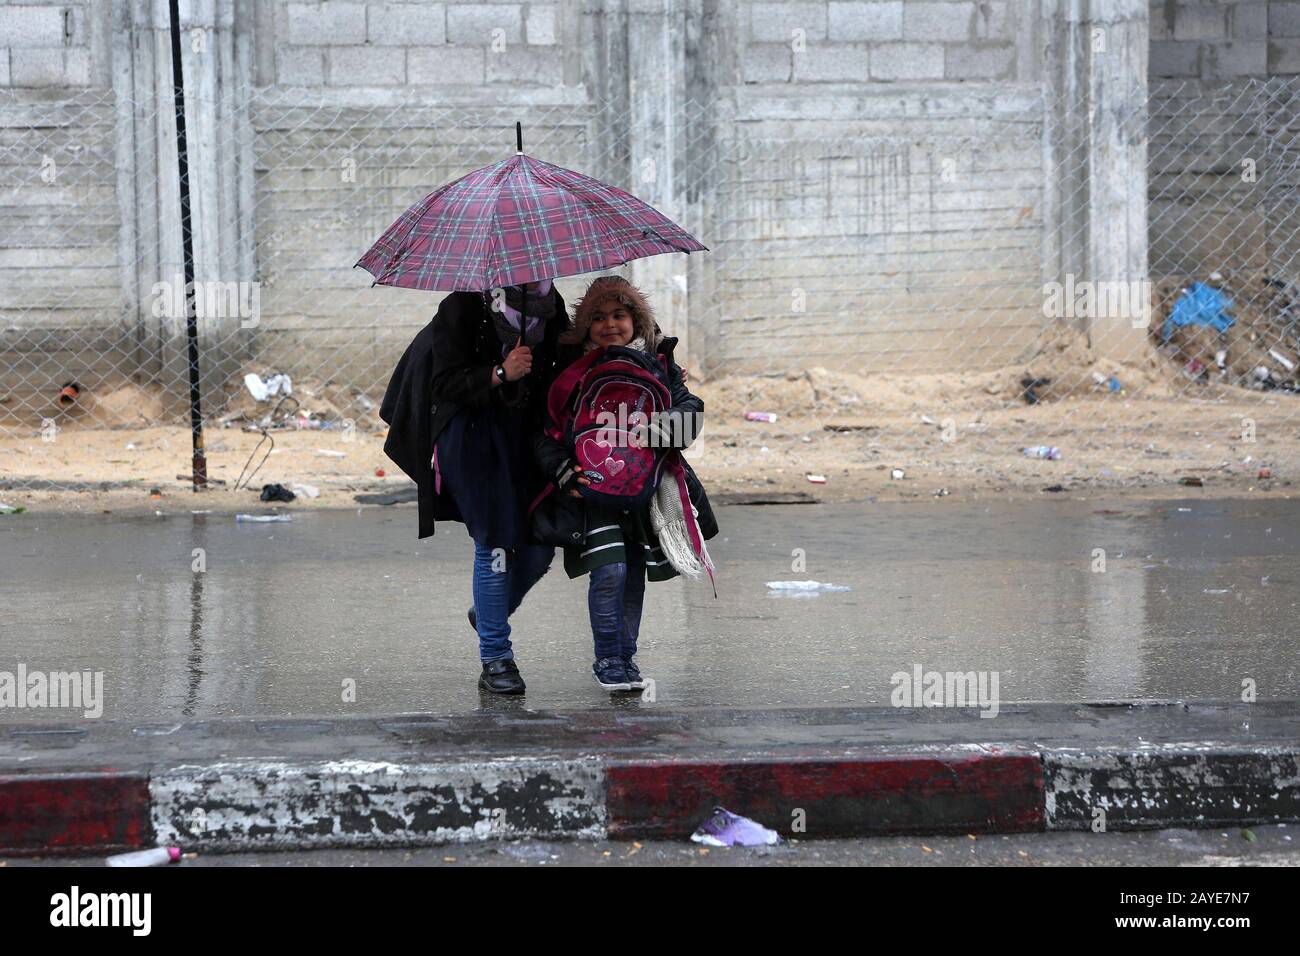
x: 247, y: 805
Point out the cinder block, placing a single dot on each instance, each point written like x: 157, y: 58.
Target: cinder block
x: 447, y: 64
x: 776, y: 22
x: 1206, y: 22
x: 768, y: 63
x: 406, y: 24
x: 831, y: 63
x: 1284, y: 19
x: 938, y: 22
x: 366, y: 66
x: 906, y: 61
x: 875, y: 22
x: 300, y: 66
x: 1239, y: 58
x: 1171, y: 58
x: 1161, y: 22
x: 477, y: 22
x: 1248, y: 21
x: 76, y: 66
x: 1283, y: 57
x: 326, y: 24
x: 29, y: 26
x: 539, y: 24
x: 43, y: 66
x: 979, y: 63
x: 993, y: 21
x: 522, y: 65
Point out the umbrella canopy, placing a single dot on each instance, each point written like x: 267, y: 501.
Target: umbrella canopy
x: 519, y: 220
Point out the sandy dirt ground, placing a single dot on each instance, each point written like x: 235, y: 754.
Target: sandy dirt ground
x: 955, y: 435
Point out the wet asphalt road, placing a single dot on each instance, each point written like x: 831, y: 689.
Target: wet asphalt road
x: 1195, y: 598
x: 1272, y: 846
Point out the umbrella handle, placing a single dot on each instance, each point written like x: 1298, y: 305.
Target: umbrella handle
x: 519, y: 138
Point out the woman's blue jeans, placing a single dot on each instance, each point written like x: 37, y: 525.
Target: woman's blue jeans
x: 614, y: 598
x: 502, y: 576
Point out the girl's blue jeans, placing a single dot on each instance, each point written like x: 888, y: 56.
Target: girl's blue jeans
x: 614, y: 598
x: 502, y: 576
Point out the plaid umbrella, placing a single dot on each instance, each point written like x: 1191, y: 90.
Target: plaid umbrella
x: 518, y: 221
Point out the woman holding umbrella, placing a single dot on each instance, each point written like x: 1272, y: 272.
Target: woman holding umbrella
x: 470, y: 390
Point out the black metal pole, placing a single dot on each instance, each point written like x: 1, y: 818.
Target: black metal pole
x: 199, y: 462
x: 519, y: 137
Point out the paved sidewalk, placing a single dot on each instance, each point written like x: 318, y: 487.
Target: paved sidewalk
x: 640, y: 771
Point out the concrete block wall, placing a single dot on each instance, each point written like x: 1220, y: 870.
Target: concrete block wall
x: 1220, y: 89
x: 894, y: 185
x: 885, y: 155
x: 59, y: 214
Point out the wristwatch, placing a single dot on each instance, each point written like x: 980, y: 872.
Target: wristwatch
x: 501, y: 374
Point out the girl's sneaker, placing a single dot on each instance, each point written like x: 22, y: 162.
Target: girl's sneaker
x: 634, y: 678
x: 610, y: 674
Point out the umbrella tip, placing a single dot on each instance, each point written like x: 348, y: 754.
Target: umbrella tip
x: 519, y: 138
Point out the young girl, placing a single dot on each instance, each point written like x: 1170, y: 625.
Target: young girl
x: 620, y: 549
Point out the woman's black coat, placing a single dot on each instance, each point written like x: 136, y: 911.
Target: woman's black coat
x: 447, y: 367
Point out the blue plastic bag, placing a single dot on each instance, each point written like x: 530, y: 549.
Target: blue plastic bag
x: 1200, y: 304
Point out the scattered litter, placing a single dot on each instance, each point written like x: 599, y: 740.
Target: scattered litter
x: 329, y: 453
x: 846, y: 427
x: 927, y: 420
x: 1031, y: 386
x: 277, y: 493
x: 379, y: 472
x: 11, y: 509
x: 816, y: 479
x: 307, y: 491
x: 69, y: 392
x: 1055, y: 488
x: 244, y: 517
x: 1216, y: 590
x: 941, y: 493
x: 158, y: 856
x: 1265, y: 473
x: 1184, y: 509
x: 1191, y: 481
x: 897, y: 473
x: 130, y: 446
x: 1277, y: 356
x: 805, y: 586
x: 725, y: 828
x: 263, y: 388
x: 760, y: 416
x: 1048, y: 452
x: 1199, y: 305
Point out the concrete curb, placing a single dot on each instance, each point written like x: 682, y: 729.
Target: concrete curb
x: 961, y: 788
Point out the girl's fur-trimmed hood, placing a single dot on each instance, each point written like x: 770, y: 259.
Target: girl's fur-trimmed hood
x: 629, y: 296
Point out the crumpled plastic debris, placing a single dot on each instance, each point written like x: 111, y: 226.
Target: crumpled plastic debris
x: 805, y: 586
x: 725, y: 828
x: 260, y: 518
x: 263, y: 388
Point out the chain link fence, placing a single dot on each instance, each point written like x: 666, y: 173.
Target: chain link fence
x: 891, y: 301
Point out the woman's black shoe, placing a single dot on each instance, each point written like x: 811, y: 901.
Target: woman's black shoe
x: 501, y: 677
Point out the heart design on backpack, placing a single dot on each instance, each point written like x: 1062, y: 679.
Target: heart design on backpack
x: 613, y: 466
x: 595, y: 452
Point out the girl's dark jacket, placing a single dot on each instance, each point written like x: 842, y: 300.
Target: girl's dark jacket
x: 447, y: 367
x: 555, y: 458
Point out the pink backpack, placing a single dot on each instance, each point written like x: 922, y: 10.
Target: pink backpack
x: 614, y: 393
